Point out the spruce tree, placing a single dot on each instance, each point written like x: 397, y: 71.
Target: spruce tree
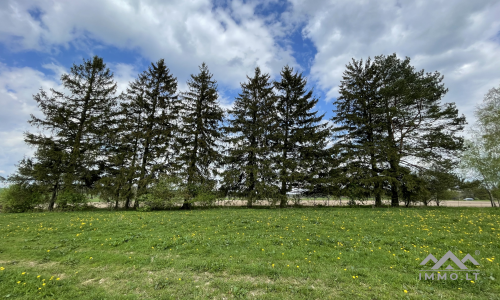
x: 78, y: 121
x: 359, y: 131
x: 248, y: 169
x: 299, y: 138
x: 199, y: 140
x: 150, y: 113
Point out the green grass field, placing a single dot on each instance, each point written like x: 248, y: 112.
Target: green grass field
x: 306, y: 253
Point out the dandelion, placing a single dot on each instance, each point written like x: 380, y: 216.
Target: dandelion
x: 272, y: 265
x: 405, y: 291
x: 48, y: 250
x: 2, y: 268
x: 23, y: 273
x: 43, y: 283
x: 58, y: 278
x: 18, y: 282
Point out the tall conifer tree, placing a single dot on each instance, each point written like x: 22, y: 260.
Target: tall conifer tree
x: 393, y: 118
x: 78, y: 122
x: 200, y: 137
x: 300, y: 138
x: 249, y: 172
x: 150, y: 120
x: 359, y: 131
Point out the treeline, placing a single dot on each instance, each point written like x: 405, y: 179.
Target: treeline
x: 390, y: 135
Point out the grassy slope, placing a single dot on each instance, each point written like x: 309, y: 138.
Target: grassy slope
x: 313, y: 253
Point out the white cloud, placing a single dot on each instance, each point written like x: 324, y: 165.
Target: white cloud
x: 230, y: 40
x: 460, y: 39
x: 17, y: 86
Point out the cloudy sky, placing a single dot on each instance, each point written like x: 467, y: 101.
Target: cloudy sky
x: 41, y: 39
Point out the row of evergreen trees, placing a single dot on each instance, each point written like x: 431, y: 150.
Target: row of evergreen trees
x: 391, y: 131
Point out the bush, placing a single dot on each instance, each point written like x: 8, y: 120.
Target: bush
x: 69, y: 199
x: 165, y: 193
x: 20, y: 198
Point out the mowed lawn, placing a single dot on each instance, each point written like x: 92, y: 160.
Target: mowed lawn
x: 234, y: 253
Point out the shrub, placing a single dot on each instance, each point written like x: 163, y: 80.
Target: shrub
x: 165, y: 193
x: 20, y: 198
x: 70, y: 199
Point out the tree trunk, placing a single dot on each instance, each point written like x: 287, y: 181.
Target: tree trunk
x: 394, y: 196
x: 53, y: 198
x: 491, y: 198
x: 249, y: 202
x: 283, y: 193
x: 378, y: 197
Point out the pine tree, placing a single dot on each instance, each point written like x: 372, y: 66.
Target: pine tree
x: 419, y: 129
x: 300, y: 138
x: 248, y: 171
x: 78, y: 121
x: 200, y: 136
x: 410, y: 128
x: 150, y: 115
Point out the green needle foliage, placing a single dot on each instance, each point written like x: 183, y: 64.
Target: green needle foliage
x: 42, y: 173
x: 392, y: 135
x: 78, y: 122
x: 150, y: 113
x: 359, y: 132
x: 394, y: 121
x: 199, y: 140
x: 299, y: 138
x: 249, y: 171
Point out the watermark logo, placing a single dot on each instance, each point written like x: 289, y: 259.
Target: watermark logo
x: 442, y: 273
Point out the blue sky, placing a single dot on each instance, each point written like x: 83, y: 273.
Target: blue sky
x: 41, y: 39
